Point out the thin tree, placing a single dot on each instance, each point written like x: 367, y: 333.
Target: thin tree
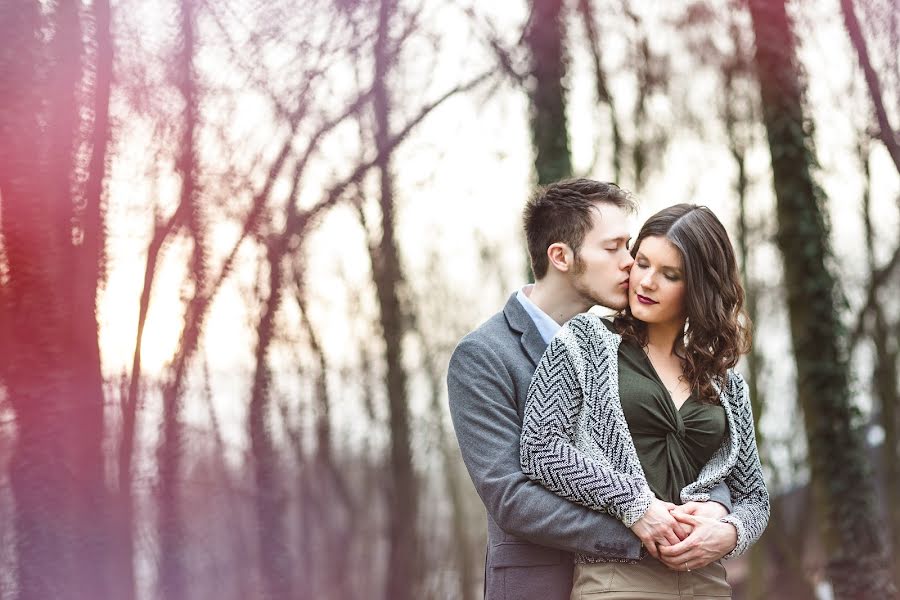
x: 887, y: 354
x: 172, y: 579
x: 884, y: 375
x: 437, y: 328
x: 736, y: 68
x: 388, y: 276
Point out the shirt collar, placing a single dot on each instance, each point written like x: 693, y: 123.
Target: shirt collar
x: 546, y: 326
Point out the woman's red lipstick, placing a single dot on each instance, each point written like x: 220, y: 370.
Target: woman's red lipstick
x: 645, y: 300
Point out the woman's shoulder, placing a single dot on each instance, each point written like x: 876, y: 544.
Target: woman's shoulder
x: 736, y: 381
x: 588, y: 324
x: 591, y: 332
x: 736, y: 388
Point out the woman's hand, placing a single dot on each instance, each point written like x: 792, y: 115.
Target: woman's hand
x: 658, y: 527
x: 710, y: 509
x: 709, y: 541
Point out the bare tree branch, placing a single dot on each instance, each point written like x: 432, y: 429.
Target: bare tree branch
x: 586, y: 9
x: 879, y: 278
x: 885, y: 132
x: 492, y: 39
x: 302, y: 219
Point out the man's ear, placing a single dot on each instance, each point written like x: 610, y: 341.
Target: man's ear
x: 560, y: 256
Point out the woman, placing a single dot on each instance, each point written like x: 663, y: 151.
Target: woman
x: 637, y: 416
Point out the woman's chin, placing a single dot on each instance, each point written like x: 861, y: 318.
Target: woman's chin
x: 639, y: 311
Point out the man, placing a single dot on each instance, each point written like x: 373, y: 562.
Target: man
x: 577, y: 236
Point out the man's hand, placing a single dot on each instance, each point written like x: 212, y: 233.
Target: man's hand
x: 659, y: 527
x: 709, y: 541
x: 711, y: 509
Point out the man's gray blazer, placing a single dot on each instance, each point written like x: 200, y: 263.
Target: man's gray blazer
x: 532, y: 532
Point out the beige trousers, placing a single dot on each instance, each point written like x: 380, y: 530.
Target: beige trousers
x: 648, y: 580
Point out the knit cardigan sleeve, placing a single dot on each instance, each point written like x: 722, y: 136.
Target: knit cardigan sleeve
x: 554, y: 451
x: 750, y: 498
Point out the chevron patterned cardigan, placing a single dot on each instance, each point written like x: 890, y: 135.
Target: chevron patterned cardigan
x: 576, y: 442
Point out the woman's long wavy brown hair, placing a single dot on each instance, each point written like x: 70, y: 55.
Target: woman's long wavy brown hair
x: 717, y: 330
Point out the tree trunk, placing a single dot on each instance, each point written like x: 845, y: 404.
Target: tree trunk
x: 342, y: 527
x: 549, y: 131
x: 887, y: 395
x: 275, y: 555
x: 386, y: 270
x: 462, y: 548
x: 885, y: 372
x: 733, y: 68
x: 758, y: 553
x: 240, y: 550
x: 782, y: 539
x: 95, y: 525
x: 52, y: 256
x: 172, y: 576
x: 884, y: 383
x: 857, y: 564
x: 64, y: 71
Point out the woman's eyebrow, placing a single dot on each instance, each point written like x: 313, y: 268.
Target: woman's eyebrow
x: 664, y: 267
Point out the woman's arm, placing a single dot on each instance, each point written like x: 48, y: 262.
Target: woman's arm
x: 549, y: 455
x: 750, y: 513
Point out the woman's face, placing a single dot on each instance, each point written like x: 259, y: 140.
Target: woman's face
x: 657, y: 285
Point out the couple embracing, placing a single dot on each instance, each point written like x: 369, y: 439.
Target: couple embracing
x: 615, y: 457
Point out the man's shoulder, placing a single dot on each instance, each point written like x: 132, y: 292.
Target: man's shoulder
x: 490, y: 334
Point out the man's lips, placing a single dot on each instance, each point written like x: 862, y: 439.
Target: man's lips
x: 645, y: 300
x: 624, y: 284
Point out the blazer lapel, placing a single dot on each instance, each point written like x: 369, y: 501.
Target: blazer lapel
x: 520, y: 322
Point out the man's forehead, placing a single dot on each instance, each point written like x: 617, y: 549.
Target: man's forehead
x: 611, y: 222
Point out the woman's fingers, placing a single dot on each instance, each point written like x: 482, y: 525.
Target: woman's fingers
x: 658, y: 527
x: 683, y: 517
x: 671, y: 537
x: 680, y: 530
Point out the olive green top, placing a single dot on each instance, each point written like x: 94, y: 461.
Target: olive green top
x: 672, y: 444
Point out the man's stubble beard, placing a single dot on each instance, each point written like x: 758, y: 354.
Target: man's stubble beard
x: 583, y: 287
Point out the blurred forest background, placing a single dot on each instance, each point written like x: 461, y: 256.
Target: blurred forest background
x: 241, y: 238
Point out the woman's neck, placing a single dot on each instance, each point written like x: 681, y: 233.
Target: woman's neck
x: 661, y: 336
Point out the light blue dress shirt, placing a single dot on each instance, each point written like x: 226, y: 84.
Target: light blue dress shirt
x: 547, y: 327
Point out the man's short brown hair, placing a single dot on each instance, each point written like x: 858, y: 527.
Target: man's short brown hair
x: 561, y: 212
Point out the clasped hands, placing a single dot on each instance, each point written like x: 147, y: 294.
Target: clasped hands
x: 685, y: 537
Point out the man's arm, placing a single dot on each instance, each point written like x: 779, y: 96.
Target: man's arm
x: 722, y: 495
x: 486, y: 420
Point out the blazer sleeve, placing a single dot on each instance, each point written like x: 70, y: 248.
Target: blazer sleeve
x: 549, y: 454
x: 484, y: 410
x: 721, y: 494
x: 750, y: 512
